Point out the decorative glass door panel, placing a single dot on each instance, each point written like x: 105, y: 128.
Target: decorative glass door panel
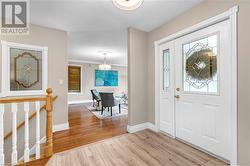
x: 200, y: 65
x: 166, y: 69
x: 202, y: 88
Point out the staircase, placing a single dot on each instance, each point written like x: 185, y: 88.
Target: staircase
x: 42, y: 149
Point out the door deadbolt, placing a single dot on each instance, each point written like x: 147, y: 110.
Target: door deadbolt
x: 177, y: 96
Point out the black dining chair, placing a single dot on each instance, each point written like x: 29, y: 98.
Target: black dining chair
x: 95, y: 97
x: 108, y: 101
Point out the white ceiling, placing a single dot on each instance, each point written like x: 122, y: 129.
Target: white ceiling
x: 95, y: 25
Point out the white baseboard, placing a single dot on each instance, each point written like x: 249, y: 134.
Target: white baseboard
x: 142, y: 126
x: 152, y: 126
x: 79, y: 102
x: 60, y: 127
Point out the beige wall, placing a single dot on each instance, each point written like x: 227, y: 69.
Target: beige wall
x: 137, y: 61
x: 88, y: 82
x: 56, y: 41
x: 199, y: 13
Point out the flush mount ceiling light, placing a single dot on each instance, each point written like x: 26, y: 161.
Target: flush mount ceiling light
x: 128, y: 4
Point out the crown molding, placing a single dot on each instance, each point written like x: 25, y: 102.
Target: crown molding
x: 70, y: 61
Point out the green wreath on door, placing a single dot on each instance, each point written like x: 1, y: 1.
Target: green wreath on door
x: 201, y: 65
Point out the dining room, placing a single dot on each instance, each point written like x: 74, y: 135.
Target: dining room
x: 102, y: 91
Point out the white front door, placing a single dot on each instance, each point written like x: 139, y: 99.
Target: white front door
x: 199, y: 99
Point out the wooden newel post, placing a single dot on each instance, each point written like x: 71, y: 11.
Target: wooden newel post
x: 49, y: 133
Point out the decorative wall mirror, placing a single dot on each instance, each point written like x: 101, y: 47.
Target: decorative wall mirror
x: 24, y: 69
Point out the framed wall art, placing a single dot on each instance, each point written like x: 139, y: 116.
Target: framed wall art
x: 24, y: 69
x: 106, y: 78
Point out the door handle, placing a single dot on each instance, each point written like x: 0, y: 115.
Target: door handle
x: 177, y: 96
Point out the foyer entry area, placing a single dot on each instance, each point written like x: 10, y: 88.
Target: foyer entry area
x: 146, y: 148
x: 107, y: 142
x: 84, y: 128
x: 197, y: 87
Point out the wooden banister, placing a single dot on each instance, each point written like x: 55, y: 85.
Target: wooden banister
x: 48, y: 99
x: 21, y: 100
x: 49, y: 132
x: 30, y: 117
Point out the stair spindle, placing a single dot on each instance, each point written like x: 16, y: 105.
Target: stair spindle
x: 14, y: 134
x: 1, y: 135
x: 14, y: 101
x: 38, y: 130
x: 26, y: 138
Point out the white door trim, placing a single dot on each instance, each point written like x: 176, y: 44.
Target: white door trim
x: 230, y: 15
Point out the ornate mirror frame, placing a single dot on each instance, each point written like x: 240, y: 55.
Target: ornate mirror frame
x: 5, y: 77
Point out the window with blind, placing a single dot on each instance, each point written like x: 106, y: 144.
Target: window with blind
x: 74, y: 79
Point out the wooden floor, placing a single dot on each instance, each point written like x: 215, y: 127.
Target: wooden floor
x: 85, y: 128
x: 144, y: 148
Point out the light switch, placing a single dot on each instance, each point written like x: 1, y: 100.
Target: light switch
x: 60, y: 82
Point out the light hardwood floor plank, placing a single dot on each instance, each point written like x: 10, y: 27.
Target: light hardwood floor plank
x: 178, y: 154
x: 144, y: 148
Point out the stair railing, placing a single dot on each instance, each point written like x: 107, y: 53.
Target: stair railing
x: 48, y: 99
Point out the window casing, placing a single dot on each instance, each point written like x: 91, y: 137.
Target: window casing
x: 24, y: 69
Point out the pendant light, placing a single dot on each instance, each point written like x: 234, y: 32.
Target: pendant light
x: 104, y: 66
